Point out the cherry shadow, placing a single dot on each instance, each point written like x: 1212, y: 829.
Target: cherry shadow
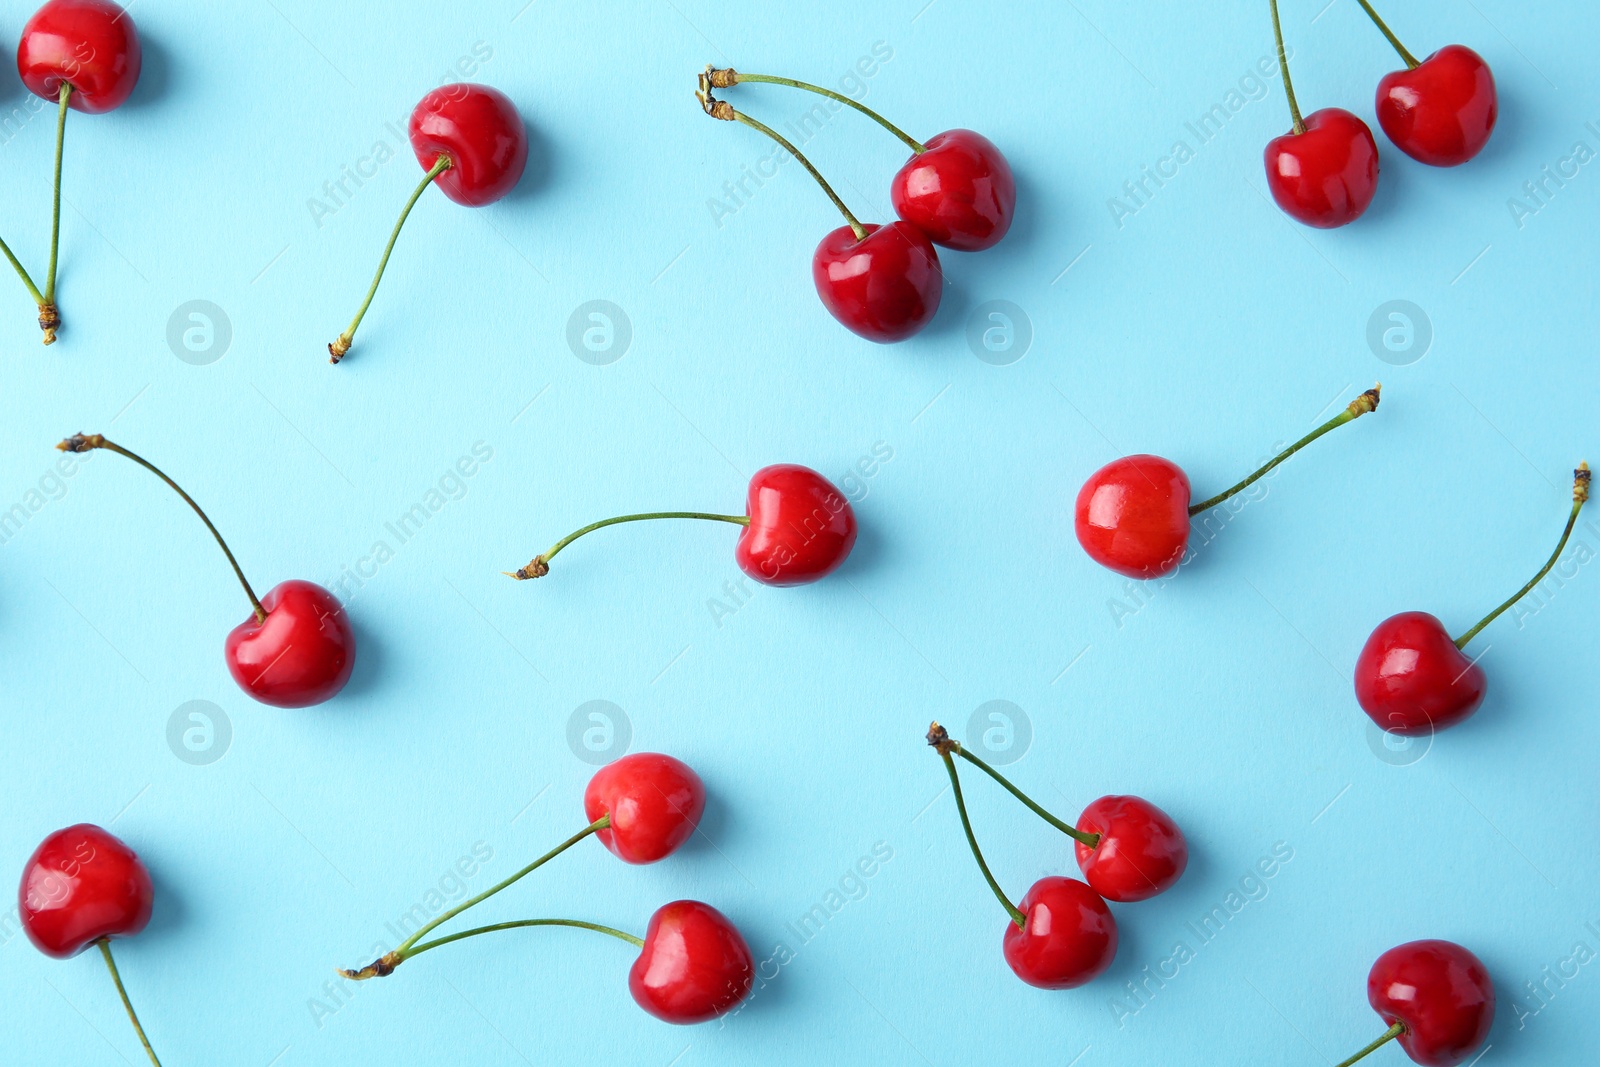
x: 536, y: 178
x: 155, y: 75
x: 366, y: 679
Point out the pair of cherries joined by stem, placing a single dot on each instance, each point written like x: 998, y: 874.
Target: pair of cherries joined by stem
x: 1439, y: 111
x: 81, y: 887
x: 798, y: 528
x: 884, y: 283
x: 693, y: 963
x: 1437, y: 999
x: 471, y: 143
x: 1132, y: 515
x: 1412, y: 678
x: 297, y: 648
x: 1062, y: 935
x: 84, y: 56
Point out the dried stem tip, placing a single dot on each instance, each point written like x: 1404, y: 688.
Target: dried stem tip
x: 939, y: 738
x: 49, y: 322
x: 82, y: 443
x: 1580, y: 484
x: 381, y: 967
x: 717, y: 109
x: 1366, y: 402
x: 724, y: 78
x: 337, y: 349
x: 536, y: 568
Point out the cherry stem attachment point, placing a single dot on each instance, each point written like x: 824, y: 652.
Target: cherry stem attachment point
x: 1085, y: 839
x: 727, y: 77
x: 1283, y: 65
x: 111, y: 965
x: 539, y: 566
x: 941, y: 743
x: 1361, y: 405
x: 721, y: 109
x: 1388, y: 1035
x: 1411, y: 60
x: 337, y: 350
x: 88, y: 442
x: 1580, y: 496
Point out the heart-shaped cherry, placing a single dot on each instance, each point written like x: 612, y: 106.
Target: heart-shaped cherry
x: 470, y: 140
x: 1137, y: 852
x: 694, y: 964
x: 298, y: 648
x: 798, y: 528
x: 1437, y: 999
x: 1132, y: 515
x: 654, y: 803
x: 1412, y: 678
x: 1067, y: 938
x: 81, y: 887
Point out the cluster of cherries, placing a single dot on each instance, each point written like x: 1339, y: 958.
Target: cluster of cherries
x: 1439, y: 111
x: 884, y: 283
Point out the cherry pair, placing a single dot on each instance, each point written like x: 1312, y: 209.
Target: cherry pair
x: 470, y: 141
x: 693, y: 963
x: 798, y: 527
x: 1437, y: 999
x: 1062, y: 935
x: 84, y: 56
x: 1439, y: 111
x: 884, y: 283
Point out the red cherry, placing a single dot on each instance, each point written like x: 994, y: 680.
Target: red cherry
x: 479, y: 129
x: 654, y: 801
x: 91, y: 45
x: 1141, y: 851
x: 885, y: 286
x: 1070, y: 937
x: 801, y: 527
x: 301, y: 655
x: 80, y: 885
x: 1326, y: 175
x: 1440, y: 993
x: 694, y: 966
x: 1442, y: 111
x: 958, y: 190
x: 1412, y: 679
x: 1132, y: 516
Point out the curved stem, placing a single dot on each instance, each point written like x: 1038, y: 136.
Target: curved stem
x: 1388, y: 1035
x: 539, y: 566
x: 1411, y: 60
x: 33, y: 290
x: 1283, y: 65
x: 55, y: 211
x: 111, y: 965
x: 735, y: 77
x: 966, y: 824
x: 520, y: 924
x: 1361, y: 405
x: 1580, y: 494
x: 338, y: 348
x: 1087, y: 840
x: 86, y: 442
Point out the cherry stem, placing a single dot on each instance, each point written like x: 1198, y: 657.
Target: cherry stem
x: 728, y: 77
x: 972, y: 841
x: 539, y: 566
x: 1085, y: 839
x: 55, y: 212
x: 721, y: 109
x: 111, y: 965
x: 1283, y: 65
x: 33, y: 290
x: 338, y: 348
x: 520, y: 924
x: 1580, y: 495
x: 1388, y: 1035
x: 1411, y: 60
x: 87, y: 442
x: 1361, y: 405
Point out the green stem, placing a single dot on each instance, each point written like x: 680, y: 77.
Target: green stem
x: 1283, y: 65
x: 1388, y: 1035
x: 520, y: 924
x: 33, y: 290
x: 86, y: 442
x: 1411, y: 60
x: 338, y: 348
x: 1580, y: 494
x: 539, y: 566
x: 966, y: 824
x: 111, y: 965
x: 735, y: 77
x: 55, y: 211
x: 1361, y: 405
x: 1087, y: 840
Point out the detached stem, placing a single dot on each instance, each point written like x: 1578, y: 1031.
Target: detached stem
x: 1087, y: 840
x: 33, y: 290
x: 1580, y: 495
x: 1388, y: 1035
x: 1411, y: 60
x: 338, y: 348
x: 520, y: 924
x: 728, y: 77
x: 87, y: 442
x: 1283, y: 65
x: 966, y: 824
x: 539, y: 566
x: 1361, y: 405
x: 111, y: 965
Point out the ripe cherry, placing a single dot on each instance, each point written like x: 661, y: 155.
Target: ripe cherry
x: 470, y: 140
x: 297, y: 649
x: 798, y: 528
x: 654, y: 803
x: 1412, y: 678
x: 1132, y: 515
x: 1067, y: 938
x: 1137, y: 850
x: 694, y: 964
x: 1437, y: 999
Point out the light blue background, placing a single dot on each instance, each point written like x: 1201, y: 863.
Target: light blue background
x: 1206, y: 328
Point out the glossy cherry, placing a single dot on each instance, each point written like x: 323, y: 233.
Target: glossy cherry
x: 1437, y: 999
x: 1442, y: 111
x: 1139, y: 852
x: 958, y: 190
x: 694, y: 966
x: 302, y: 654
x: 885, y: 286
x: 654, y: 803
x: 80, y: 885
x: 91, y: 45
x: 479, y: 130
x: 1069, y: 939
x: 1326, y: 174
